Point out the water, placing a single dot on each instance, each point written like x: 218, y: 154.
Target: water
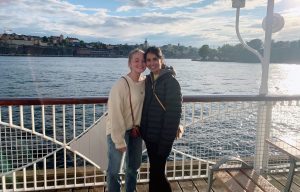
x: 75, y: 77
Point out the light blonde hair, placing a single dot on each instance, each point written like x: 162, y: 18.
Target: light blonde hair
x: 136, y: 50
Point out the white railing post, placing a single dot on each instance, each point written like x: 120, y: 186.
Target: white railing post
x: 24, y: 179
x: 3, y: 183
x: 21, y: 116
x: 262, y: 133
x: 14, y: 181
x: 43, y: 120
x: 10, y: 116
x: 264, y: 112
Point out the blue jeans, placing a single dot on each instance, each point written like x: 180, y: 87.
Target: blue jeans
x: 133, y: 161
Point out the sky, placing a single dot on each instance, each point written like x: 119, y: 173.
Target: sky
x: 185, y: 22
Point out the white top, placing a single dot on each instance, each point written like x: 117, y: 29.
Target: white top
x: 119, y: 118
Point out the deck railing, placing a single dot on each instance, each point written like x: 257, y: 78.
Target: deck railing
x: 36, y: 133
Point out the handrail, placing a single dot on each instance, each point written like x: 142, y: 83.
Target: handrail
x: 103, y: 99
x: 51, y: 101
x: 221, y: 98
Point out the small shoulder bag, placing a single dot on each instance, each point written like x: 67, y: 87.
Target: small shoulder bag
x: 180, y: 129
x: 135, y: 131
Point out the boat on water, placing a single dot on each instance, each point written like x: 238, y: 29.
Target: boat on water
x: 199, y: 59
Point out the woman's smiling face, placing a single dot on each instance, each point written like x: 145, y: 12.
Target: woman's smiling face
x: 137, y: 63
x: 153, y: 63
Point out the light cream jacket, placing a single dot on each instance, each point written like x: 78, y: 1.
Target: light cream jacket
x: 119, y: 118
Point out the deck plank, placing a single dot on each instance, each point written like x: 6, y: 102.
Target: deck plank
x: 200, y: 184
x: 282, y: 178
x: 142, y: 187
x: 228, y: 181
x: 259, y: 180
x: 219, y: 186
x: 96, y: 189
x: 295, y: 186
x: 296, y: 180
x: 175, y: 186
x: 244, y: 181
x: 187, y: 186
x: 275, y: 183
x: 81, y: 190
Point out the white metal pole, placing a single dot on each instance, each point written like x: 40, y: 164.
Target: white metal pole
x: 267, y: 49
x: 265, y: 110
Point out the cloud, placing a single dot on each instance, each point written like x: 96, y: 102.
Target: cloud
x: 160, y: 21
x: 124, y: 8
x: 56, y: 16
x: 157, y: 4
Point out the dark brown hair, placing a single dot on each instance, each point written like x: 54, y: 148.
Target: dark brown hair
x: 156, y: 51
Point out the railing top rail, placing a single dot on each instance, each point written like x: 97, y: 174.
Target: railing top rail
x: 52, y: 101
x: 223, y: 98
x: 186, y: 98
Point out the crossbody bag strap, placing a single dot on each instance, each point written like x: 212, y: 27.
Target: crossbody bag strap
x: 153, y: 89
x: 159, y: 101
x: 130, y: 100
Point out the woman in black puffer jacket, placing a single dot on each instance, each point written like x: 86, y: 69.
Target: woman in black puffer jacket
x: 160, y: 117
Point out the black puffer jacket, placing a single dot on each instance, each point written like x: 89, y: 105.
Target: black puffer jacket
x: 157, y: 125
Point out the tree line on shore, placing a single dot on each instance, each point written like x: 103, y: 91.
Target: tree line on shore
x: 282, y: 51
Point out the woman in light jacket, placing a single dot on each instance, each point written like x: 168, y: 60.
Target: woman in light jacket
x: 119, y: 133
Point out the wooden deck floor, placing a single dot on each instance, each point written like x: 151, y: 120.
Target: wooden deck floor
x: 200, y: 185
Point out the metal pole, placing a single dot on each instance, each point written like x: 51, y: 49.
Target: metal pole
x: 265, y: 110
x: 267, y: 49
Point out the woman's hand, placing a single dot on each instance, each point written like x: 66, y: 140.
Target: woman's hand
x: 123, y: 149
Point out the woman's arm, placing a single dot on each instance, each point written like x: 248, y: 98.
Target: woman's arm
x: 116, y: 111
x: 173, y: 103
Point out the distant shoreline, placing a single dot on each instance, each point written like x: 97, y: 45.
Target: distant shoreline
x: 26, y: 55
x: 194, y: 60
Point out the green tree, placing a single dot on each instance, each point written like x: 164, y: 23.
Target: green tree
x: 45, y: 39
x: 226, y: 52
x: 81, y: 43
x: 212, y: 54
x: 204, y: 51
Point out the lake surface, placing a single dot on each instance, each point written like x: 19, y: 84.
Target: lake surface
x: 75, y: 77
